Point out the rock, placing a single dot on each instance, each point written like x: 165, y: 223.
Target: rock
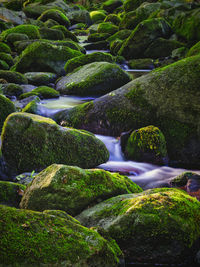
x: 96, y: 78
x: 31, y: 142
x: 30, y: 30
x: 182, y: 179
x: 82, y: 60
x: 97, y: 16
x: 40, y: 78
x: 53, y: 238
x: 56, y: 15
x: 51, y: 34
x: 194, y: 50
x: 32, y: 106
x: 11, y: 193
x: 142, y: 36
x: 79, y: 16
x: 67, y: 33
x: 111, y: 5
x: 147, y: 145
x: 13, y: 37
x: 160, y: 98
x: 167, y: 219
x: 107, y: 27
x: 11, y: 16
x: 121, y: 35
x: 5, y: 48
x: 96, y: 37
x: 113, y: 18
x: 142, y: 63
x: 73, y: 189
x: 3, y: 65
x: 44, y: 56
x: 6, y: 107
x: 12, y: 89
x: 42, y: 92
x: 130, y: 5
x: 7, y: 58
x: 13, y: 77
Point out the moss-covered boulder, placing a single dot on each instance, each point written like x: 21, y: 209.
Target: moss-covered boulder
x: 4, y: 65
x: 40, y: 78
x: 10, y: 18
x: 7, y: 58
x: 166, y: 97
x: 167, y: 219
x: 42, y: 92
x: 184, y: 179
x: 30, y: 30
x: 6, y: 107
x: 32, y: 106
x: 13, y: 37
x: 111, y: 5
x: 121, y: 35
x: 13, y: 77
x: 51, y: 34
x: 11, y: 193
x: 141, y: 63
x: 142, y: 36
x: 96, y: 78
x: 82, y: 60
x: 5, y: 48
x: 31, y: 142
x: 130, y: 5
x: 67, y: 33
x: 73, y: 189
x: 147, y: 144
x: 194, y: 50
x: 96, y: 37
x: 12, y: 89
x: 97, y: 16
x: 186, y: 25
x: 79, y: 16
x: 44, y: 56
x: 56, y: 15
x: 50, y: 238
x: 107, y: 27
x: 113, y: 18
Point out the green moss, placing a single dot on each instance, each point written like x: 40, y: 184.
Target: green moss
x: 13, y: 77
x: 121, y: 35
x: 147, y: 144
x: 6, y: 107
x: 10, y: 193
x: 73, y: 189
x: 34, y: 238
x: 11, y: 38
x: 96, y: 37
x: 43, y: 92
x: 51, y: 34
x: 113, y: 18
x: 194, y: 50
x: 3, y: 65
x: 97, y: 16
x: 31, y: 142
x: 14, y: 5
x: 143, y: 63
x: 56, y: 15
x: 67, y: 33
x: 182, y: 179
x: 82, y: 60
x: 13, y: 89
x: 168, y: 219
x: 5, y: 48
x: 111, y: 5
x: 32, y: 106
x: 7, y: 58
x: 107, y: 27
x: 30, y: 30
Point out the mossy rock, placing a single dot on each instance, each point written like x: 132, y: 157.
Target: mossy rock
x: 161, y: 48
x: 93, y: 28
x: 4, y: 65
x: 40, y: 78
x: 95, y: 78
x: 142, y: 63
x: 96, y: 37
x: 44, y: 56
x: 147, y: 144
x: 79, y: 16
x: 51, y: 34
x: 186, y: 25
x: 180, y: 53
x: 42, y: 92
x: 167, y: 219
x: 160, y: 98
x: 30, y: 30
x: 76, y: 62
x: 14, y: 37
x: 13, y: 77
x: 7, y: 58
x: 11, y: 193
x: 12, y: 89
x: 32, y: 106
x: 121, y: 35
x: 111, y: 5
x: 130, y: 5
x: 115, y: 46
x: 67, y: 33
x: 73, y: 189
x: 142, y: 36
x: 107, y: 27
x: 194, y: 50
x: 30, y: 238
x: 6, y: 107
x: 5, y: 48
x: 97, y: 16
x: 113, y: 18
x: 182, y: 179
x: 50, y: 23
x: 31, y: 142
x: 35, y: 10
x: 56, y: 15
x: 15, y: 5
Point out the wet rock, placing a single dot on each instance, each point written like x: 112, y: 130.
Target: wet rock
x: 6, y: 107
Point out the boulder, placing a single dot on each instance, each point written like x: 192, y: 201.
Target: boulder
x: 17, y: 18
x: 79, y: 16
x: 111, y: 5
x: 42, y: 92
x: 40, y: 78
x: 142, y: 36
x: 97, y: 16
x: 13, y: 77
x: 11, y: 193
x: 156, y: 226
x: 31, y: 142
x: 107, y: 27
x: 56, y: 15
x: 147, y: 144
x: 194, y: 50
x: 51, y: 238
x: 44, y: 56
x: 6, y: 107
x: 96, y: 78
x: 73, y: 189
x: 166, y: 97
x: 51, y: 34
x: 30, y: 30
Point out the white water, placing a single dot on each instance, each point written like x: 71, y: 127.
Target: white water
x: 144, y: 174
